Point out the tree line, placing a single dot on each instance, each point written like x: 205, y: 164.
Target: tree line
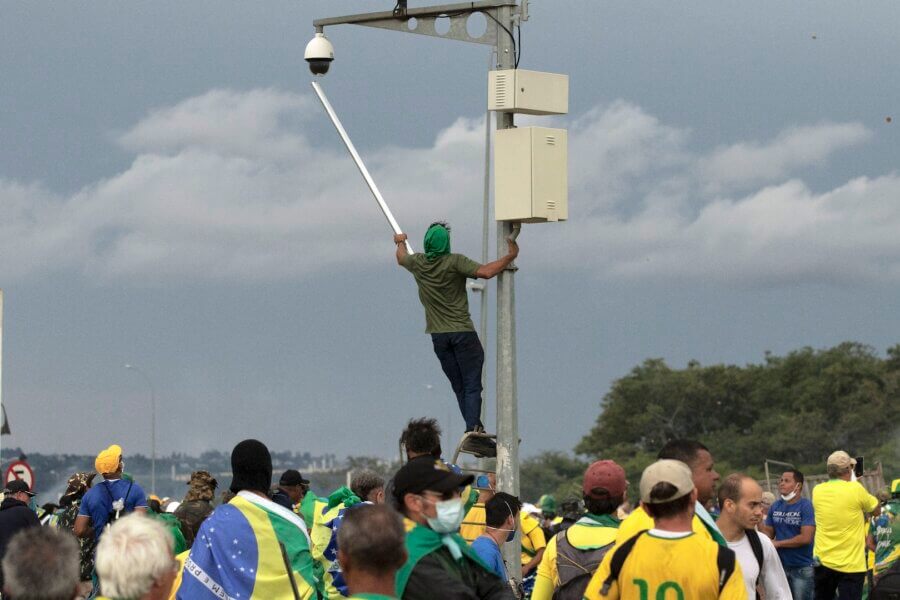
x: 796, y: 408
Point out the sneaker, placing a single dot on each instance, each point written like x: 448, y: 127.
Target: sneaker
x: 481, y: 446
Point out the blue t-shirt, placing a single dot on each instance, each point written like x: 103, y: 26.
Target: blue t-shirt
x: 787, y: 519
x: 98, y: 501
x: 489, y: 552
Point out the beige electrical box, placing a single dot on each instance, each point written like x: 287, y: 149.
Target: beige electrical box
x: 528, y: 92
x: 531, y: 182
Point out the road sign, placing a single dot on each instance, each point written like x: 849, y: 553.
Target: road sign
x: 19, y: 469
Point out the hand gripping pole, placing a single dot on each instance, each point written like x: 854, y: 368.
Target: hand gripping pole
x: 359, y: 163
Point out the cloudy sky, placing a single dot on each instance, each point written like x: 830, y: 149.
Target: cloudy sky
x: 173, y: 196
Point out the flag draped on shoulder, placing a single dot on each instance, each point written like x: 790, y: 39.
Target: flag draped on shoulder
x: 421, y: 541
x: 249, y: 549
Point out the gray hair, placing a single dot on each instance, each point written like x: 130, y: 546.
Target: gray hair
x: 132, y: 555
x: 365, y: 482
x: 41, y: 563
x: 372, y: 537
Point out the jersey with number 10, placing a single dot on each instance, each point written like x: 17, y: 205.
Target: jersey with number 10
x: 662, y: 568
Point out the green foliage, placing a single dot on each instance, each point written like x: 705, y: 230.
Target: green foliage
x: 554, y: 473
x: 797, y: 408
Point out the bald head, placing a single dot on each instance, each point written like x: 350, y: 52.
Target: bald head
x: 740, y: 500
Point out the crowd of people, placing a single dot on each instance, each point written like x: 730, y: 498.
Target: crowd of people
x: 435, y: 531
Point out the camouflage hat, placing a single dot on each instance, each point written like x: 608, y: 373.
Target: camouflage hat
x: 77, y: 485
x: 202, y: 486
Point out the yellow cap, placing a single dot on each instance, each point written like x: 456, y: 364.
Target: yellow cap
x: 108, y: 460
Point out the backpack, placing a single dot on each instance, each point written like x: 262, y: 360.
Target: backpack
x: 115, y: 513
x: 575, y: 567
x: 888, y: 585
x: 724, y: 562
x: 756, y: 546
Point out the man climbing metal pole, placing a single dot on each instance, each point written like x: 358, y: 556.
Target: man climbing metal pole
x: 441, y: 279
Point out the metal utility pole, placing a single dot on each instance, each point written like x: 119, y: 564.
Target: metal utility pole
x: 502, y: 17
x: 485, y: 241
x: 507, y: 403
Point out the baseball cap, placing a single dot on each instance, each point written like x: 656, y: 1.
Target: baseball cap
x: 841, y: 459
x: 107, y: 460
x: 604, y: 474
x: 427, y: 473
x: 17, y: 485
x: 292, y: 477
x: 673, y: 472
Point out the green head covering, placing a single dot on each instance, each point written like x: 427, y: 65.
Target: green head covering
x: 437, y: 241
x: 547, y: 504
x: 342, y: 495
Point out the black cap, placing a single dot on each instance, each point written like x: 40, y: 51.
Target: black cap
x: 17, y: 485
x: 427, y: 473
x: 292, y: 477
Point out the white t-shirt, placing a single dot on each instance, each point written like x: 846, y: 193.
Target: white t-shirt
x: 772, y: 580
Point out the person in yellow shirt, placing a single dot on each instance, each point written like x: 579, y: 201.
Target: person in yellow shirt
x: 572, y: 556
x: 698, y: 458
x: 669, y: 561
x: 841, y: 504
x: 533, y: 545
x: 473, y: 524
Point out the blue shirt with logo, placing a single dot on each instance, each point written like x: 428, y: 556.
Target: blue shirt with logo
x: 787, y: 519
x: 98, y: 501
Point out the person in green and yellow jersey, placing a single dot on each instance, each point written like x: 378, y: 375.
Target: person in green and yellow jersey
x: 371, y: 549
x: 670, y: 560
x: 572, y: 556
x: 698, y: 458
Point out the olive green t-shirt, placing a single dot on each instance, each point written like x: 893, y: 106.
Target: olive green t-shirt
x: 442, y: 290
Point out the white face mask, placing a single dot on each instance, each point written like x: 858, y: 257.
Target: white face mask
x: 789, y: 497
x: 449, y: 517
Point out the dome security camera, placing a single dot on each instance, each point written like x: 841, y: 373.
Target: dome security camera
x: 319, y: 54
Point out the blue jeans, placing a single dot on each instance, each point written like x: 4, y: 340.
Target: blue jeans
x: 462, y: 359
x: 801, y: 581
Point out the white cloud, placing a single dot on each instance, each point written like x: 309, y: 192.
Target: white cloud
x: 228, y: 186
x: 783, y: 234
x: 749, y: 163
x: 252, y: 124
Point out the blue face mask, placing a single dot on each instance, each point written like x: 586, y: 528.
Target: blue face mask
x: 32, y: 504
